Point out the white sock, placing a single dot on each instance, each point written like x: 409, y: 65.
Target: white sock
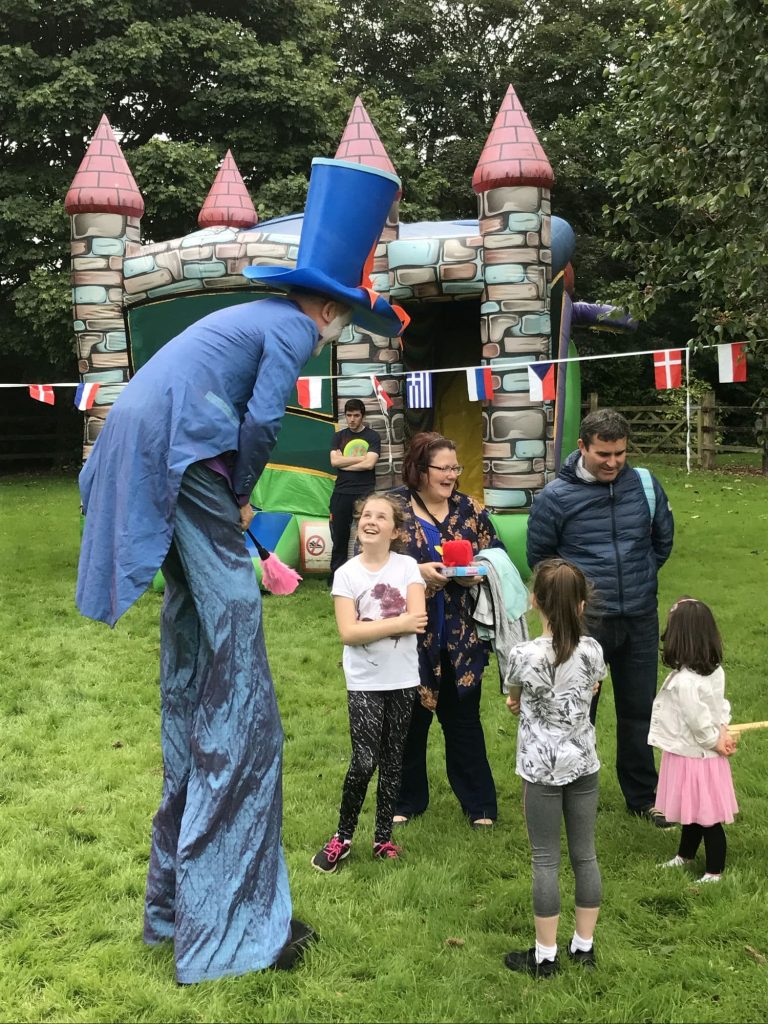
x: 580, y: 945
x: 545, y: 952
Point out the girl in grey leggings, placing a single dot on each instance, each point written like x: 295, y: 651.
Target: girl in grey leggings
x: 550, y: 683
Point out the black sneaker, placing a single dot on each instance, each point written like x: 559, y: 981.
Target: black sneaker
x: 524, y: 961
x: 654, y: 815
x: 302, y: 936
x: 584, y: 958
x: 334, y: 851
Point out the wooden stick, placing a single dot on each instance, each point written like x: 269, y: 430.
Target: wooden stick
x: 736, y: 730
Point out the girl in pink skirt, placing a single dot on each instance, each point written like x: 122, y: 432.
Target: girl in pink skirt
x: 689, y: 725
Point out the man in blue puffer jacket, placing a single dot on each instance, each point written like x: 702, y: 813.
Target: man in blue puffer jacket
x: 596, y: 514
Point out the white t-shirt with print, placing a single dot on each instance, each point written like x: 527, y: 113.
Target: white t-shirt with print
x: 391, y: 663
x: 555, y: 739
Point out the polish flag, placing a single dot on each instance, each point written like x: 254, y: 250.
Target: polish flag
x: 85, y: 396
x: 479, y: 383
x: 668, y: 368
x: 732, y: 363
x: 541, y: 382
x: 42, y: 393
x: 384, y: 399
x: 310, y: 392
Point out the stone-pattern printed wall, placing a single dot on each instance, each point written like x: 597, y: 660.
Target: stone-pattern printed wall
x: 515, y: 327
x: 100, y: 243
x: 359, y: 352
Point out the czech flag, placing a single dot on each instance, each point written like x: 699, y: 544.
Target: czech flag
x: 479, y: 383
x: 42, y: 393
x: 85, y: 396
x: 385, y: 400
x: 310, y: 392
x: 541, y: 382
x: 668, y: 368
x: 732, y: 363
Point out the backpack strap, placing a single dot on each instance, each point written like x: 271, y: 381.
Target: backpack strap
x: 647, y: 481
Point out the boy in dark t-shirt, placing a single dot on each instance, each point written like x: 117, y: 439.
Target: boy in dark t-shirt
x: 354, y: 454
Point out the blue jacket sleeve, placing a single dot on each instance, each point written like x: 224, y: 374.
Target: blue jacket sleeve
x: 286, y: 350
x: 543, y: 536
x: 663, y: 526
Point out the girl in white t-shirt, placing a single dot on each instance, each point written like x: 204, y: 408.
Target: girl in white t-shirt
x: 380, y: 607
x: 550, y: 682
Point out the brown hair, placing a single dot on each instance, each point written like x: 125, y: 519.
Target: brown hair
x: 419, y: 455
x: 562, y: 591
x: 398, y: 516
x: 605, y: 424
x: 691, y: 639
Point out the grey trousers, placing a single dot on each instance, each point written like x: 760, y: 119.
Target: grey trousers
x: 544, y: 807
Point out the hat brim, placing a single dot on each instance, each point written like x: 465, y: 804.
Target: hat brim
x: 379, y: 319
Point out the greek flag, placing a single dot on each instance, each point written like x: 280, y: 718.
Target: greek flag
x: 419, y: 389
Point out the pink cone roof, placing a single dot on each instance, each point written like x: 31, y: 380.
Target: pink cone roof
x: 512, y: 154
x: 228, y: 204
x: 360, y: 143
x: 104, y: 183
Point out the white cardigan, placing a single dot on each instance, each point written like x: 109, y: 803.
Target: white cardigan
x: 688, y: 712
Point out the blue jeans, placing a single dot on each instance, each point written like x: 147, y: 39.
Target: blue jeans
x: 631, y: 650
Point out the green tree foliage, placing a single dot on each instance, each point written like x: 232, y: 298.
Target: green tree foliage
x: 690, y: 194
x: 180, y: 81
x: 448, y: 66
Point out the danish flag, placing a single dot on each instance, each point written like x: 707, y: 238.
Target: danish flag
x: 668, y: 368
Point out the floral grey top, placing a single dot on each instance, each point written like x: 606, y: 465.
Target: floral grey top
x: 555, y: 738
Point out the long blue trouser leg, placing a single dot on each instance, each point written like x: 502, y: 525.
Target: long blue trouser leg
x: 217, y: 879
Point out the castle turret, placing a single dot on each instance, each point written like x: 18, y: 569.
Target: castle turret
x: 512, y: 181
x: 228, y: 204
x: 361, y: 352
x: 105, y: 207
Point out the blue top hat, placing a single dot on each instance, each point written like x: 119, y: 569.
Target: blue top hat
x: 346, y: 210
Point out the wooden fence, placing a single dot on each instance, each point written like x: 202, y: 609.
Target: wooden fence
x: 715, y: 429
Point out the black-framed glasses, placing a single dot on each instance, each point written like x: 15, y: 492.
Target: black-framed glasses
x: 447, y: 469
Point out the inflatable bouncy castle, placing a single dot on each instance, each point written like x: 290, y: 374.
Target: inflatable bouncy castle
x: 493, y: 292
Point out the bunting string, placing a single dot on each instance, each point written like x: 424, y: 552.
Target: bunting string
x: 498, y: 366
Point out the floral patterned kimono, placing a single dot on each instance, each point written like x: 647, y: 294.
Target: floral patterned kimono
x: 450, y: 625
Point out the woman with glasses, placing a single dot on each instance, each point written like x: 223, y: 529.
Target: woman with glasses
x: 451, y: 655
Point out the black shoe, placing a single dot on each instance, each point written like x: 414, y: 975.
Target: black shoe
x: 653, y: 815
x: 302, y: 936
x: 524, y: 961
x: 586, y: 959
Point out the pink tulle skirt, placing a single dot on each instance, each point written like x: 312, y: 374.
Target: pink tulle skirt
x: 696, y: 789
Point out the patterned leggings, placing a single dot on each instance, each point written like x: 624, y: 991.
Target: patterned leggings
x: 378, y: 726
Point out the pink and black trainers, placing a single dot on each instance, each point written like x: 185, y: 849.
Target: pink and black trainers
x: 334, y: 851
x: 386, y: 851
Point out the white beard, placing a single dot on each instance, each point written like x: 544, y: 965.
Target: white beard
x: 332, y: 331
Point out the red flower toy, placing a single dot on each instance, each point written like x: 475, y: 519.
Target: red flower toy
x: 457, y: 552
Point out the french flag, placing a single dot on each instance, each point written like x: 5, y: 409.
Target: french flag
x: 85, y: 396
x: 480, y: 383
x: 668, y: 368
x: 42, y: 393
x: 310, y: 392
x: 732, y: 363
x: 541, y: 382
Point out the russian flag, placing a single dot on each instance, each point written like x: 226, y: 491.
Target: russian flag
x: 42, y: 393
x: 479, y: 383
x: 85, y: 396
x: 732, y: 363
x: 310, y: 392
x: 541, y: 382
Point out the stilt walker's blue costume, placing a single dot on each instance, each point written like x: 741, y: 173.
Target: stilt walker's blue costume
x: 181, y: 449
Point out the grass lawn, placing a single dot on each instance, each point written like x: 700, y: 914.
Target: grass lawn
x: 419, y: 940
